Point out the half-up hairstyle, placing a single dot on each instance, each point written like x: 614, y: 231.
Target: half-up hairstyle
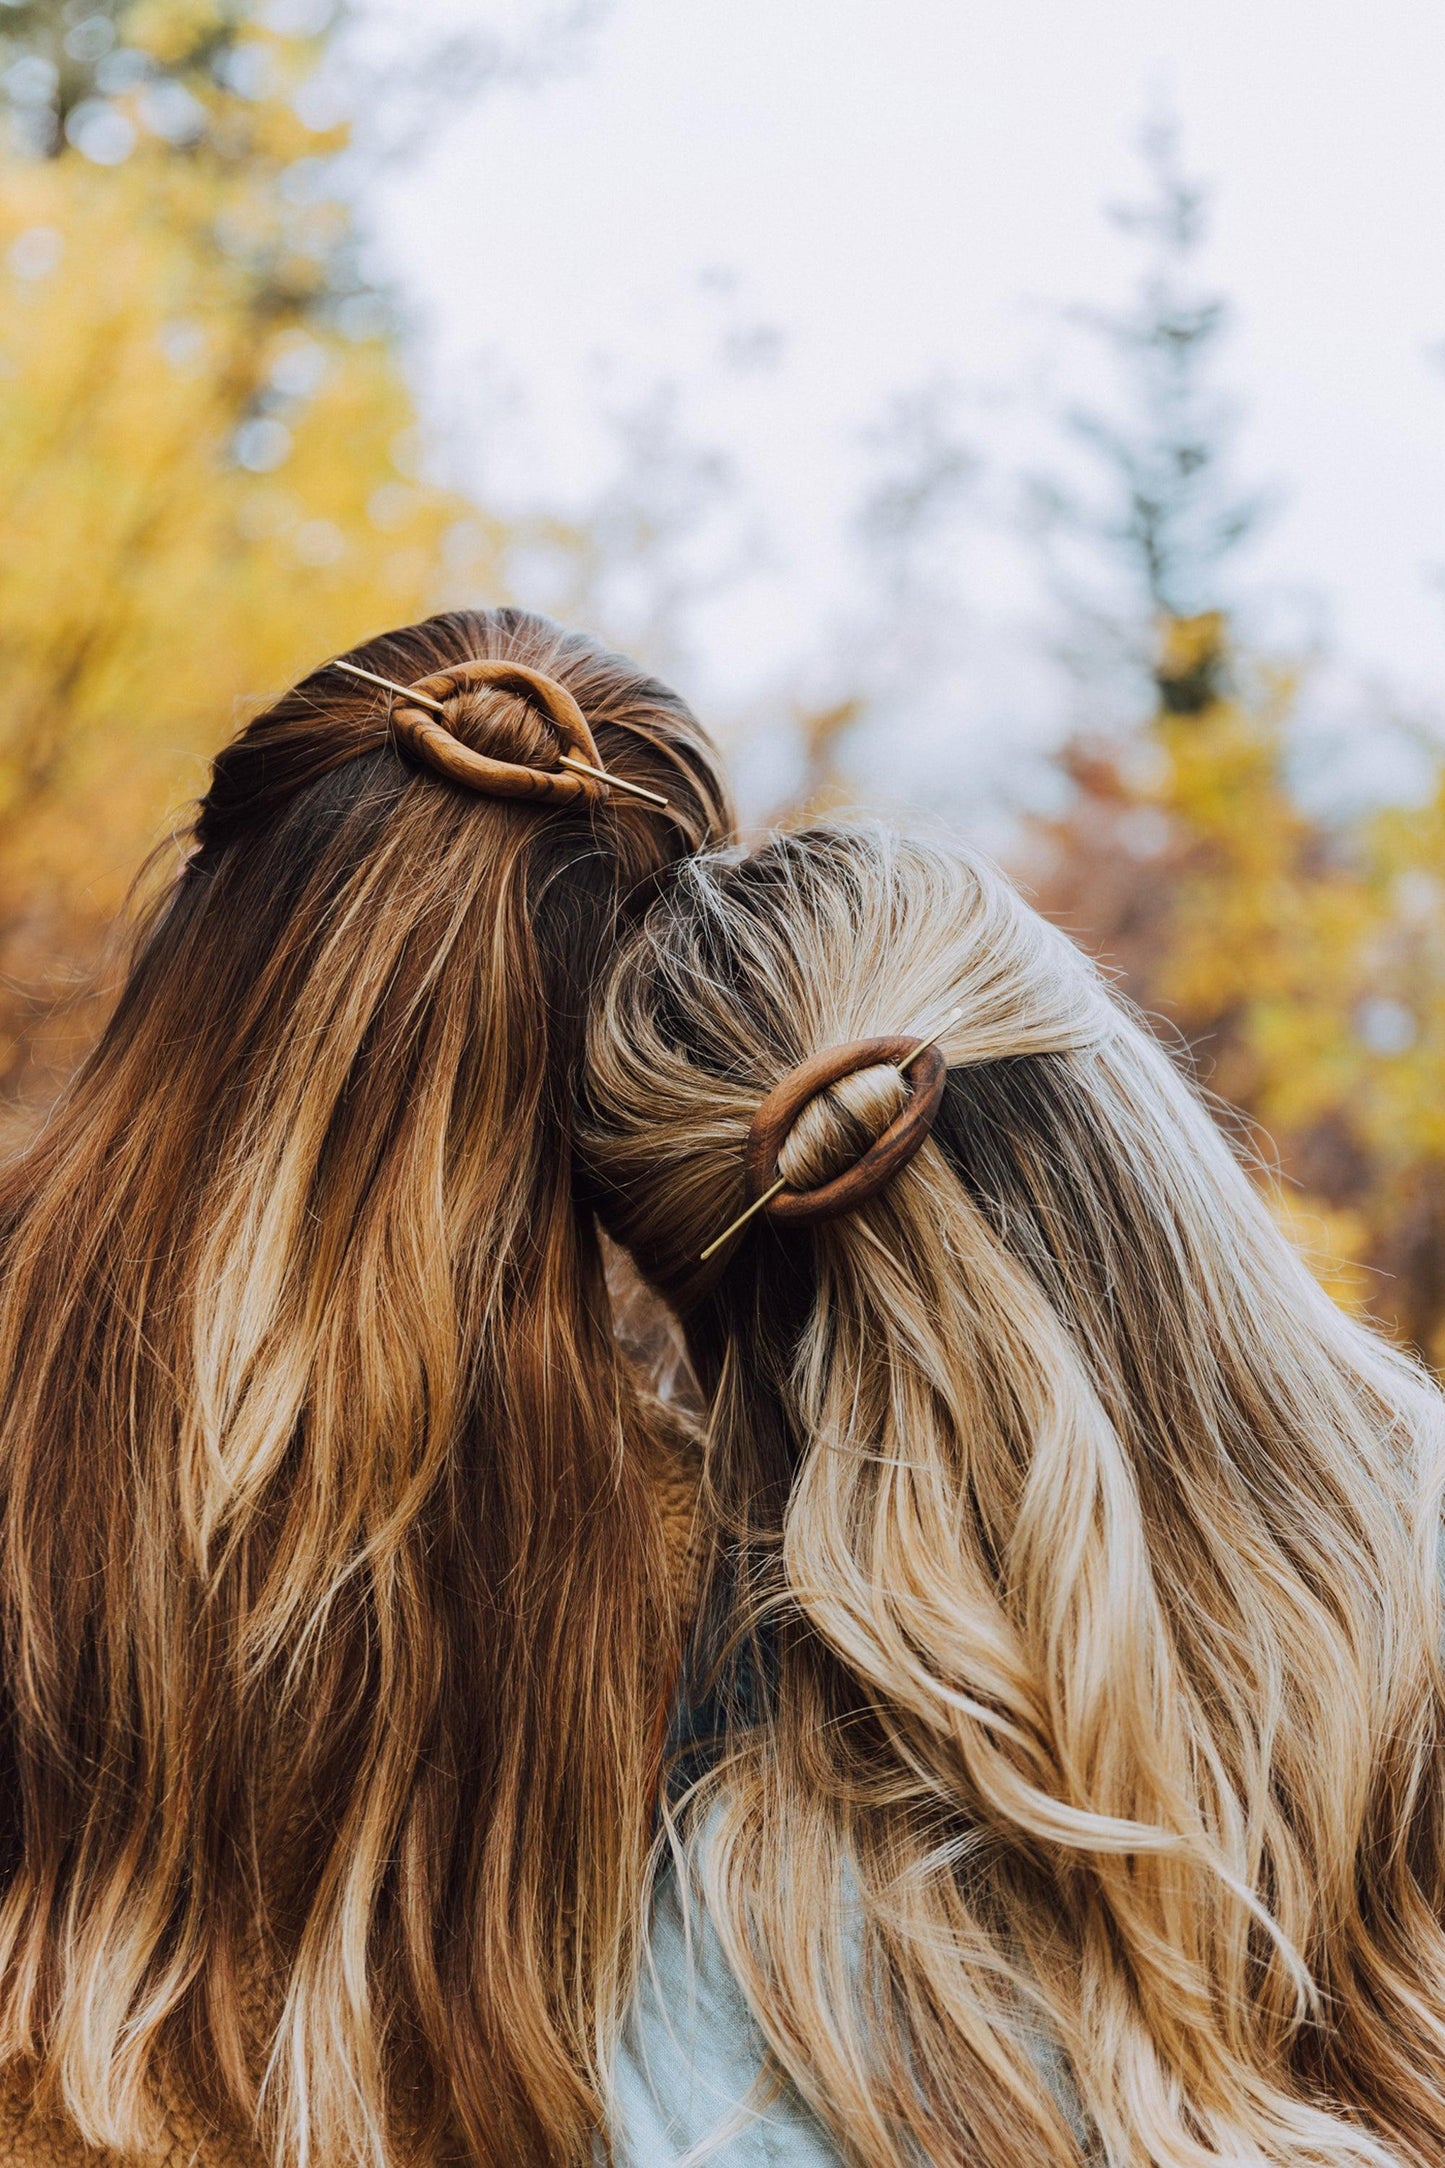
x: 337, y: 1632
x: 1078, y: 1788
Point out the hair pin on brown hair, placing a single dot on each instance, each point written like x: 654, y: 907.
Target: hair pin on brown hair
x: 573, y: 761
x: 776, y: 1188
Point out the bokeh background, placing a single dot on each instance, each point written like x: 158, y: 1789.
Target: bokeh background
x: 1029, y: 420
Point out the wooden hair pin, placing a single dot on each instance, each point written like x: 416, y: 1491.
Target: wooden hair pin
x: 564, y: 760
x: 776, y: 1188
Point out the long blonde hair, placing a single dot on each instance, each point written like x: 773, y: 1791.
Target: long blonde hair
x: 337, y: 1635
x: 1078, y: 1785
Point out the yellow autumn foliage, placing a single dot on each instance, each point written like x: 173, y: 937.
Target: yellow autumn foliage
x: 1303, y: 963
x: 149, y: 581
x: 209, y: 478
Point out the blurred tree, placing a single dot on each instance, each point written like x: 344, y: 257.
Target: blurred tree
x: 1393, y: 1072
x: 1142, y: 525
x: 65, y: 66
x: 1138, y: 534
x: 1301, y: 961
x: 208, y: 456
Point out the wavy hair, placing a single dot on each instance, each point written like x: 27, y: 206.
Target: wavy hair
x: 1077, y: 1788
x: 337, y: 1632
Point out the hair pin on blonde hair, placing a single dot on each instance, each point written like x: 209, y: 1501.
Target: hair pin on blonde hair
x: 884, y: 1157
x: 573, y: 760
x: 932, y: 1040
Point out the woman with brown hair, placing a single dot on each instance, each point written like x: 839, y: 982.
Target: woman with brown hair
x: 1066, y: 1778
x: 338, y: 1614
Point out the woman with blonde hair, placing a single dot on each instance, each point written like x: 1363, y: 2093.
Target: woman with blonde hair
x: 1064, y: 1774
x: 339, y: 1623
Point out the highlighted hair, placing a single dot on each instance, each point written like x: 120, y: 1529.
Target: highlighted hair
x: 1077, y: 1618
x: 337, y: 1631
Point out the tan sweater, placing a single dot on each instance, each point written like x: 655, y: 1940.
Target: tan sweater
x: 27, y: 2141
x: 30, y: 2141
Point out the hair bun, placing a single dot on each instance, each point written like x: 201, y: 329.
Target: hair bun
x: 428, y: 737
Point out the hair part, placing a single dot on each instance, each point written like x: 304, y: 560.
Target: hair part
x: 1078, y: 1784
x: 337, y: 1628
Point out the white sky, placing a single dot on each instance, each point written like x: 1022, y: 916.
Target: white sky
x: 897, y: 187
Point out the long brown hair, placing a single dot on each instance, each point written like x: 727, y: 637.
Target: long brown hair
x: 1084, y: 1562
x: 335, y: 1614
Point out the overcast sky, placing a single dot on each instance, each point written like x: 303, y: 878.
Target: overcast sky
x: 799, y: 207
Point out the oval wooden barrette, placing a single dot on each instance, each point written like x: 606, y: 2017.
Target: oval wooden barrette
x: 579, y: 773
x: 768, y: 1191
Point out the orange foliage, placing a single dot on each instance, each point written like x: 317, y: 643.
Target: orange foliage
x: 1303, y: 965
